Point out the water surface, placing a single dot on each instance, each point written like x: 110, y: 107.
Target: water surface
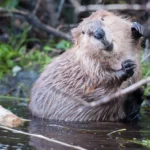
x: 91, y: 136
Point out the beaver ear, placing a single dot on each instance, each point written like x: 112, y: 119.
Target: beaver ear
x: 137, y: 30
x: 75, y: 34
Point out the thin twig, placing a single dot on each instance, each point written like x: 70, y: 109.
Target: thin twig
x: 60, y: 8
x: 36, y: 7
x: 43, y: 137
x: 145, y: 58
x: 120, y: 130
x: 127, y: 90
x: 115, y: 7
x: 146, y: 50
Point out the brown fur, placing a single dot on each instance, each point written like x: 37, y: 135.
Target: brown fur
x: 88, y: 73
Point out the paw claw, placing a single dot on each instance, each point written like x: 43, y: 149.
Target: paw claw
x: 128, y: 67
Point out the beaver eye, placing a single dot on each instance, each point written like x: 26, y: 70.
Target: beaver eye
x: 83, y: 32
x: 102, y: 19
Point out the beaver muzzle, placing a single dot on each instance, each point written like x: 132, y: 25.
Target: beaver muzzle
x: 99, y: 34
x: 108, y: 46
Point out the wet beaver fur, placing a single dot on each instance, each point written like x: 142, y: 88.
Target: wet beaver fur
x: 103, y: 60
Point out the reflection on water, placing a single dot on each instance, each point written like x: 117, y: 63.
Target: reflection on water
x: 92, y: 136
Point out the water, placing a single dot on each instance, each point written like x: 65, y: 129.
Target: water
x: 91, y: 136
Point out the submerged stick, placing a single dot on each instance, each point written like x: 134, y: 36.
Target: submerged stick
x: 120, y: 130
x: 43, y: 137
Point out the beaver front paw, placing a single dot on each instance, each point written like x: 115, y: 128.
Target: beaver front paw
x: 128, y: 67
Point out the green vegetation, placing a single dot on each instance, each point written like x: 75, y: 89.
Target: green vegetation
x: 9, y: 4
x: 145, y: 143
x: 21, y: 49
x: 145, y: 74
x: 145, y: 70
x: 19, y: 55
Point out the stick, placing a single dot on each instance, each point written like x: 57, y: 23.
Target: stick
x: 79, y: 8
x: 7, y: 118
x: 36, y: 7
x: 119, y: 7
x: 127, y: 90
x: 43, y: 137
x: 145, y: 58
x: 120, y: 130
x: 35, y: 22
x: 60, y: 8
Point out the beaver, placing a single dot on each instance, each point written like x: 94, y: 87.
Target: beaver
x: 103, y: 60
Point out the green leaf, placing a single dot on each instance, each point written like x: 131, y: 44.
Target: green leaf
x: 10, y: 4
x: 63, y: 45
x: 47, y: 48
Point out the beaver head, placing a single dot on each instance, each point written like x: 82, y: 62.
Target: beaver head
x: 105, y: 34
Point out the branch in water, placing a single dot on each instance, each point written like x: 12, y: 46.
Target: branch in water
x: 43, y: 137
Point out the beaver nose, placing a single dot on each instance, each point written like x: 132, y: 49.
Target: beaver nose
x: 99, y: 34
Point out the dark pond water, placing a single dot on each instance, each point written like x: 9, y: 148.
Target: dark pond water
x: 91, y: 136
